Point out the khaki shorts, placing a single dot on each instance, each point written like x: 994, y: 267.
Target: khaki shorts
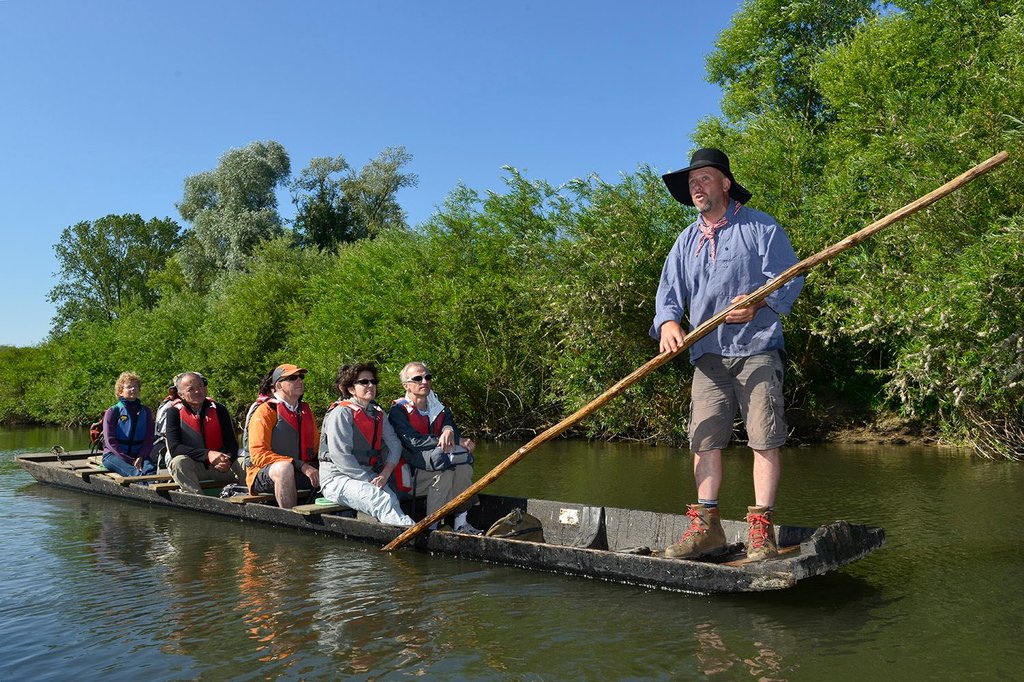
x: 751, y: 384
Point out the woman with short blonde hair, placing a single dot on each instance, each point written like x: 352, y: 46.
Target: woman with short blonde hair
x: 128, y: 430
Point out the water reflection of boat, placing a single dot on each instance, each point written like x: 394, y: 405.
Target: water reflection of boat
x: 606, y: 543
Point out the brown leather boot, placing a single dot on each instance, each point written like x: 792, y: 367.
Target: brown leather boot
x: 761, y: 534
x: 705, y: 536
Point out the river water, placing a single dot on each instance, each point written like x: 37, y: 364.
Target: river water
x: 94, y: 588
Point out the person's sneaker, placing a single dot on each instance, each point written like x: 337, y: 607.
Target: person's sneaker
x: 468, y: 529
x: 704, y: 538
x: 761, y: 534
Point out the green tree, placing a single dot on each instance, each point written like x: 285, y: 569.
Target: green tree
x: 324, y: 216
x: 373, y: 191
x: 231, y: 208
x: 106, y: 266
x: 336, y: 204
x: 23, y: 367
x: 763, y: 60
x: 919, y: 319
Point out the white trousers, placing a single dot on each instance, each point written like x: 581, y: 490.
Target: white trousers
x: 380, y: 503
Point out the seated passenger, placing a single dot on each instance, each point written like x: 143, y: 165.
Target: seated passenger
x: 359, y: 450
x: 128, y: 430
x: 264, y: 393
x: 201, y: 442
x: 282, y: 440
x: 160, y: 434
x: 441, y: 459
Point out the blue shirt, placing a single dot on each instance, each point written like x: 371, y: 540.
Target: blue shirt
x: 751, y: 249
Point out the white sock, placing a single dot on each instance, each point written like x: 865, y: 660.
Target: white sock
x: 460, y: 519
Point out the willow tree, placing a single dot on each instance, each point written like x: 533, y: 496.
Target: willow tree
x: 231, y: 208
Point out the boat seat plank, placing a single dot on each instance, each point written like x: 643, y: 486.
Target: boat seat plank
x: 150, y: 478
x: 164, y: 487
x: 242, y: 499
x: 317, y: 509
x: 85, y: 473
x: 171, y: 485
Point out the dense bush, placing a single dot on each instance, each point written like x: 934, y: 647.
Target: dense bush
x: 529, y: 302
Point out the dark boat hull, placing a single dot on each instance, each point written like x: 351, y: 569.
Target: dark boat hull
x: 603, y: 543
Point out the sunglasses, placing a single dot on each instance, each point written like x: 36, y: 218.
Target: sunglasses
x: 419, y: 379
x: 293, y: 377
x: 366, y: 382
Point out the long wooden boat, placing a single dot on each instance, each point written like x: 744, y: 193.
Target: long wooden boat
x: 606, y: 543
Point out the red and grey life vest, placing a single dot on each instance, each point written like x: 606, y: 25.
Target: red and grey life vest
x: 292, y: 434
x: 200, y: 430
x: 368, y: 437
x: 420, y: 421
x: 130, y: 431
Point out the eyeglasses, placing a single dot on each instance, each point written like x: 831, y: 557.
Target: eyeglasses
x: 367, y: 382
x: 293, y: 377
x: 419, y: 379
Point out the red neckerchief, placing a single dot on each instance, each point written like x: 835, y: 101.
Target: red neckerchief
x: 707, y: 232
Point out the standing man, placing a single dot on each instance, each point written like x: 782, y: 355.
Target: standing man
x: 729, y: 252
x: 201, y: 442
x: 283, y: 440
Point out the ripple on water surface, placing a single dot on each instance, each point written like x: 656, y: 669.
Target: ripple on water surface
x: 107, y: 589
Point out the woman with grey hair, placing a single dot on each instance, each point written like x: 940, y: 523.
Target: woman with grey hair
x: 441, y: 459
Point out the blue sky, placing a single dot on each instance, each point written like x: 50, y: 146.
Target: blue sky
x: 107, y: 105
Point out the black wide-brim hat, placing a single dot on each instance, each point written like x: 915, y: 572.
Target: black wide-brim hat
x: 678, y: 182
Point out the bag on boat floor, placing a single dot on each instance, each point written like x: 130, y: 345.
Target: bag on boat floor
x: 232, y: 489
x: 517, y: 525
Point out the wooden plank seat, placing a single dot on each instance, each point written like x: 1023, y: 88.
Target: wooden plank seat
x: 171, y: 485
x: 84, y: 474
x: 265, y: 497
x: 242, y: 499
x: 151, y: 478
x: 318, y: 508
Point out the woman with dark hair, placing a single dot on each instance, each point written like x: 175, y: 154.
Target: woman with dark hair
x: 359, y: 449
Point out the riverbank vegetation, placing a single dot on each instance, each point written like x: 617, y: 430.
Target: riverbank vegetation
x: 530, y: 301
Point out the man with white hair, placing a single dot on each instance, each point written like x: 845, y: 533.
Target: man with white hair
x: 201, y: 441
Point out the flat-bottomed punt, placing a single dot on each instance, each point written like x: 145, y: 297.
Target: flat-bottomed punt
x: 605, y: 543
